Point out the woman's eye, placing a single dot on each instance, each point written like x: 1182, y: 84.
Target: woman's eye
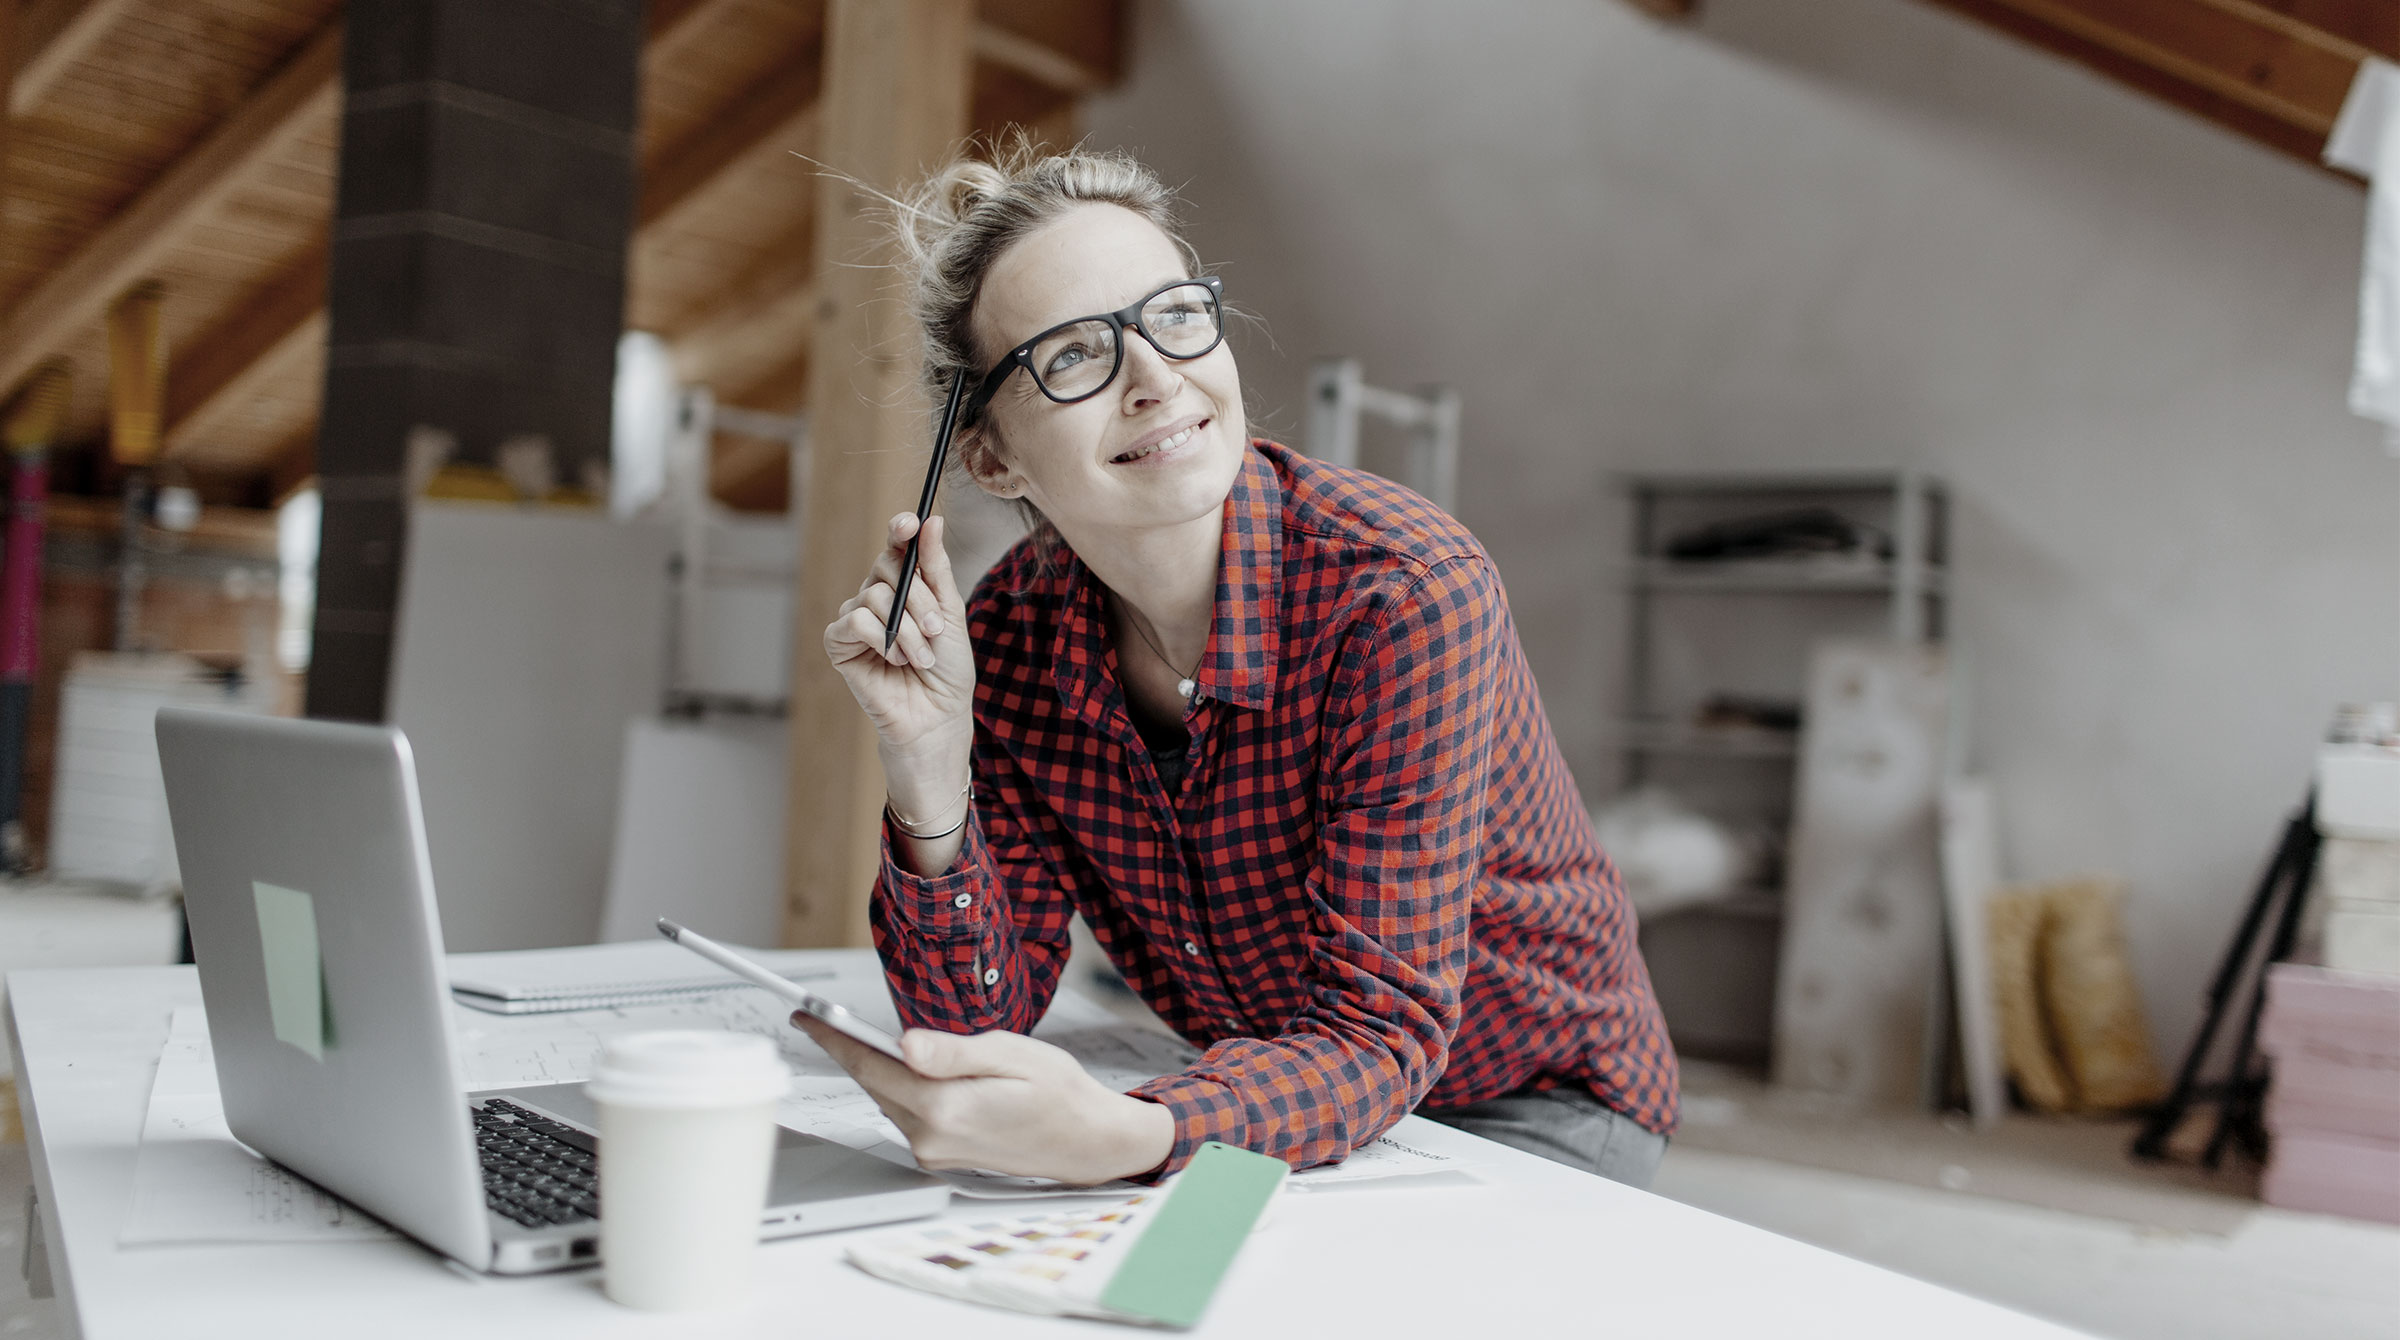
x: 1066, y: 358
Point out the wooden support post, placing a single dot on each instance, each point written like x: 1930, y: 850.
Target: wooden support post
x: 137, y: 375
x: 896, y: 88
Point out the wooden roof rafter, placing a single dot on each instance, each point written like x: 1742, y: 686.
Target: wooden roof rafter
x: 2274, y: 71
x: 303, y: 92
x: 51, y: 36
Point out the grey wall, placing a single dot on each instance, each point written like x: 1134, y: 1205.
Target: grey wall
x: 1844, y: 233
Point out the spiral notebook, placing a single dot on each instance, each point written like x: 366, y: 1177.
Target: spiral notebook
x: 590, y: 977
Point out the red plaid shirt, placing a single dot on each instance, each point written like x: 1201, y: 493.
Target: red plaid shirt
x: 1376, y: 887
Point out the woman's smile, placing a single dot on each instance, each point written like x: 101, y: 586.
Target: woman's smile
x: 1163, y: 446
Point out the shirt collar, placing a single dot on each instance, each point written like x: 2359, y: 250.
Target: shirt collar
x: 1246, y: 638
x: 1244, y: 647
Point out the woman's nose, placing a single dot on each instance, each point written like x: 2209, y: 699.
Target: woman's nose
x: 1149, y: 377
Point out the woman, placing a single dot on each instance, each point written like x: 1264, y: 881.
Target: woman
x: 1263, y: 721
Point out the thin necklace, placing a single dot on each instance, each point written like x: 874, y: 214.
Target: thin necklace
x: 1183, y: 685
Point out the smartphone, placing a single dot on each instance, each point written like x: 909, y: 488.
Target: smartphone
x: 833, y: 1016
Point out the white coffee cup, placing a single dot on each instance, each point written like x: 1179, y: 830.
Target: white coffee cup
x: 687, y: 1137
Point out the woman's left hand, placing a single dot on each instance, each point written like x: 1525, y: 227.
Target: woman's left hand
x: 1005, y: 1103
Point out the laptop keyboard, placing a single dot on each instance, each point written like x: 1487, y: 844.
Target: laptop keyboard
x: 535, y: 1170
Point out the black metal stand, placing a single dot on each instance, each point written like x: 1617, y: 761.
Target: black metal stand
x: 2274, y: 913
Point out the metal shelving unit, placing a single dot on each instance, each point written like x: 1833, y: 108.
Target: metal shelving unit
x: 1753, y: 619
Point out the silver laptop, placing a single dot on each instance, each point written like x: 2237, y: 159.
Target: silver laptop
x: 310, y: 895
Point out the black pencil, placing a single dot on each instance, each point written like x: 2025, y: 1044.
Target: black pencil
x: 933, y: 481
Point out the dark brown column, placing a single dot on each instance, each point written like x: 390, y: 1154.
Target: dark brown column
x: 478, y: 275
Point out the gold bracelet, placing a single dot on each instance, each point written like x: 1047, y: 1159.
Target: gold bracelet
x: 911, y: 828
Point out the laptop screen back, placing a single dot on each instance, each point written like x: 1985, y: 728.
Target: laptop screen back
x: 310, y: 898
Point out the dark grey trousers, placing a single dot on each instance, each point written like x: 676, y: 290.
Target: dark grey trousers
x: 1565, y: 1125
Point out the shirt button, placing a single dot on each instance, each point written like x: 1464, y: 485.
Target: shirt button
x: 1190, y: 948
x: 990, y: 976
x: 963, y: 900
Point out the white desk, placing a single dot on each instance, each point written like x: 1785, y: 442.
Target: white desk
x: 1536, y: 1249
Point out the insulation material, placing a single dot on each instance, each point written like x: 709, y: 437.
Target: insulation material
x: 2092, y: 1002
x: 2016, y: 918
x: 1863, y: 897
x: 2071, y: 1023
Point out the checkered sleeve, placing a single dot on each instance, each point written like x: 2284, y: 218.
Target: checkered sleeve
x: 980, y: 946
x: 1401, y: 774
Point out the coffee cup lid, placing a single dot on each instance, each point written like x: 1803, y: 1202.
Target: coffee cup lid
x: 689, y: 1068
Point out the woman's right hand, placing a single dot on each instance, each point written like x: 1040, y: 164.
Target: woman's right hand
x: 921, y: 695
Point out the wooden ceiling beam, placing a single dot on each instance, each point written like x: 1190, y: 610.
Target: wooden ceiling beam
x: 2368, y: 25
x: 2354, y: 40
x: 769, y: 115
x: 1074, y: 46
x: 1043, y: 64
x: 674, y: 28
x: 227, y: 364
x: 771, y: 301
x: 2247, y: 65
x: 303, y: 93
x: 53, y: 35
x: 2299, y: 81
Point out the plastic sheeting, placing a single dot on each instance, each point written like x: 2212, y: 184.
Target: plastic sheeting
x: 2366, y: 140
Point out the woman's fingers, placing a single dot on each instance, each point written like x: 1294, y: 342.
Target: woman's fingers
x: 912, y: 646
x: 933, y: 561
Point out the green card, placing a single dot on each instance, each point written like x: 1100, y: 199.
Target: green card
x: 1174, y: 1267
x: 287, y: 942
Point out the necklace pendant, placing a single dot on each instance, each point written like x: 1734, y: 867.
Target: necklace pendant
x: 1185, y: 687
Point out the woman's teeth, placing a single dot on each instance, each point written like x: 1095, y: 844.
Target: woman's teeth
x: 1168, y: 445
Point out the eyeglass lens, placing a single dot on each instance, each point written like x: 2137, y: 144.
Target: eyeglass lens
x: 1077, y: 360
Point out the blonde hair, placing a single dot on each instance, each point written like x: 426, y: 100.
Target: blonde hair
x: 959, y: 220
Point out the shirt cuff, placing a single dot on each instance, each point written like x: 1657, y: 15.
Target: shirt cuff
x: 944, y: 906
x: 1204, y: 1110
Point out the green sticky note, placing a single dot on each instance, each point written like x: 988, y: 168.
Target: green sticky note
x: 287, y: 942
x: 1172, y: 1270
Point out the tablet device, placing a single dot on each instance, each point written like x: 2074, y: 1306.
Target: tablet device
x: 832, y: 1015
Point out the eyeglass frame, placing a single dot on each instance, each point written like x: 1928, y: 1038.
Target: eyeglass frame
x: 1118, y: 320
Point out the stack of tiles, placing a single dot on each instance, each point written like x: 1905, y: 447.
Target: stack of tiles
x: 2334, y: 1107
x: 2358, y: 871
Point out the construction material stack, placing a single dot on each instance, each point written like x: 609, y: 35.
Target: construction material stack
x: 2333, y: 1028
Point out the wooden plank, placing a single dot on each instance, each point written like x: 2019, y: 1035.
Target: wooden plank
x: 2354, y: 41
x: 304, y: 91
x: 58, y: 35
x: 897, y: 75
x: 2239, y: 116
x: 137, y: 374
x: 2295, y: 79
x: 239, y: 354
x: 769, y: 115
x: 1044, y: 65
x: 12, y: 35
x: 2372, y: 25
x: 765, y: 316
x: 1087, y: 36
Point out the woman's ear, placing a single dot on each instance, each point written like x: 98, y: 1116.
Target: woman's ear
x: 984, y: 466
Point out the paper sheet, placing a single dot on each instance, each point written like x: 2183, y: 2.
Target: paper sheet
x: 500, y: 1051
x: 193, y: 1182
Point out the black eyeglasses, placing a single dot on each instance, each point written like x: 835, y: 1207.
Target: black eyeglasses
x: 1076, y: 360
